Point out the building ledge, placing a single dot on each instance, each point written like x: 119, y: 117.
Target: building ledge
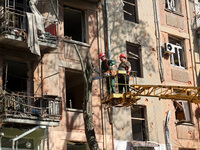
x: 15, y: 40
x: 134, y: 143
x: 31, y: 121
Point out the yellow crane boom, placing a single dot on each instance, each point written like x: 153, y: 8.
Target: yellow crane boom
x: 187, y: 93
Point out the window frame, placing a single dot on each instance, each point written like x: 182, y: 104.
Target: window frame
x: 84, y: 31
x: 138, y: 47
x: 187, y: 116
x: 142, y: 118
x: 134, y: 11
x: 180, y: 54
x: 174, y: 9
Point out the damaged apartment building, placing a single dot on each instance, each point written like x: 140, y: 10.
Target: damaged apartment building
x: 42, y: 84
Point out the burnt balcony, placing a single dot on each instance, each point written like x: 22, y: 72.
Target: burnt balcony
x: 14, y: 30
x: 20, y: 109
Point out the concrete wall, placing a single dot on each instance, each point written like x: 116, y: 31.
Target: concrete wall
x: 142, y: 33
x: 145, y: 34
x: 72, y: 124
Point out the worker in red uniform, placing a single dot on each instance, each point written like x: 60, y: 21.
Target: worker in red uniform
x: 106, y: 69
x: 123, y: 80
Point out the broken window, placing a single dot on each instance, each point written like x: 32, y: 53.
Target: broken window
x: 72, y: 145
x: 15, y: 76
x: 174, y: 5
x: 178, y: 58
x: 74, y: 89
x: 74, y: 24
x: 182, y: 110
x: 138, y: 117
x: 130, y: 10
x: 134, y: 57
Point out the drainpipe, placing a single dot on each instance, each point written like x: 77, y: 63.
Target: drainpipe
x: 107, y: 27
x: 191, y: 42
x: 168, y: 145
x: 109, y: 53
x: 159, y: 38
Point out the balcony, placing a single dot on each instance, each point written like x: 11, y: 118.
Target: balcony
x: 16, y: 108
x: 14, y: 28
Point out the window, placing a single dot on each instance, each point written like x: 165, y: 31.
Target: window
x: 134, y: 57
x: 15, y: 76
x: 177, y: 59
x: 182, y: 110
x: 71, y: 145
x: 74, y: 24
x: 138, y: 115
x: 174, y: 5
x: 130, y: 10
x: 74, y: 89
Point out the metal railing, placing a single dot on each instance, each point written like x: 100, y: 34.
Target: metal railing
x: 15, y: 21
x: 119, y: 81
x: 21, y: 105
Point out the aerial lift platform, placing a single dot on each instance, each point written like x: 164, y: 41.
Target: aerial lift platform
x: 187, y: 93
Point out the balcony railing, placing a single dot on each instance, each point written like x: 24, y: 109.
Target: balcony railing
x: 14, y: 105
x: 14, y: 22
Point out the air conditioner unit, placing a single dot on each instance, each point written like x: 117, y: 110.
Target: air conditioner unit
x: 171, y: 48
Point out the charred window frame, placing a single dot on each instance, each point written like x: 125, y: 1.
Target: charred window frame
x: 139, y: 123
x: 130, y: 10
x: 173, y: 5
x: 178, y: 58
x: 74, y: 24
x: 135, y: 58
x: 182, y: 111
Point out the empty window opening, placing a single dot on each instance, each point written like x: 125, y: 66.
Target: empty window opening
x: 71, y: 145
x: 134, y: 57
x: 130, y: 10
x: 15, y: 78
x: 182, y: 111
x: 74, y: 24
x: 138, y: 116
x: 178, y: 58
x: 173, y: 5
x: 74, y: 89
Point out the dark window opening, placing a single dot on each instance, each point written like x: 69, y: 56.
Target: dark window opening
x: 134, y: 57
x: 182, y: 111
x: 15, y: 78
x: 138, y: 114
x: 130, y: 10
x: 74, y: 24
x: 71, y: 145
x: 74, y: 89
